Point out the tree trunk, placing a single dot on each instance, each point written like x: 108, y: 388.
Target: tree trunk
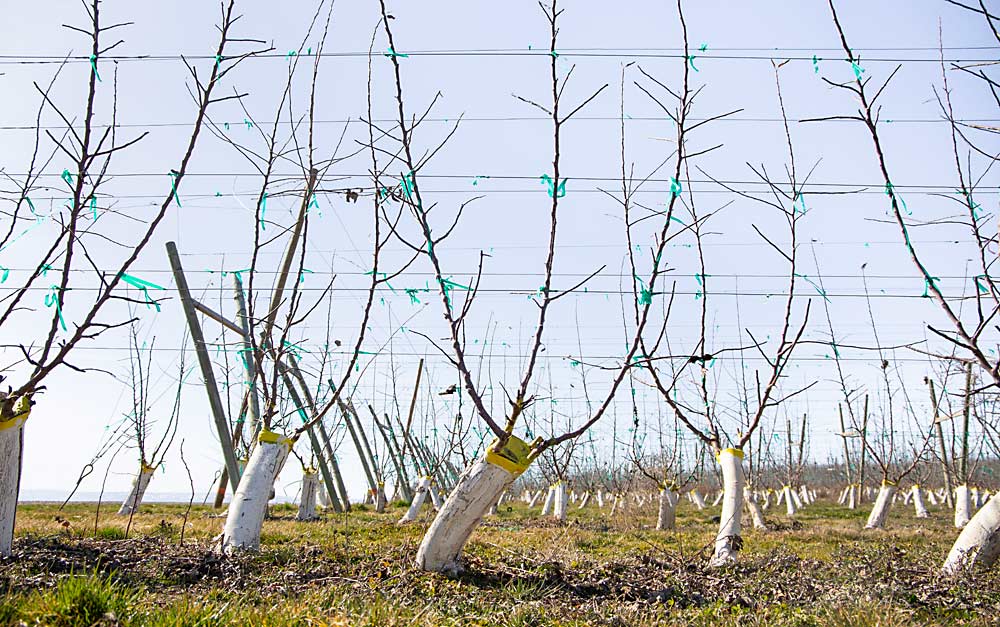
x: 666, y: 517
x: 11, y: 452
x: 697, y: 499
x: 550, y: 497
x: 756, y: 513
x: 139, y: 485
x: 307, y: 502
x: 918, y: 502
x: 728, y: 541
x: 963, y: 506
x: 478, y: 487
x: 249, y: 505
x: 559, y: 510
x: 979, y: 542
x: 880, y: 511
x: 786, y: 495
x: 419, y: 496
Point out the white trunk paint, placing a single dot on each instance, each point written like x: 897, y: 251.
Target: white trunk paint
x: 979, y: 542
x: 718, y: 498
x: 419, y: 496
x: 852, y: 497
x: 614, y: 506
x: 932, y: 497
x: 918, y: 502
x: 480, y: 485
x: 963, y: 506
x: 907, y: 496
x: 786, y: 496
x: 880, y: 511
x: 756, y: 513
x: 804, y: 496
x: 584, y: 501
x: 559, y: 510
x: 534, y: 498
x: 976, y: 499
x: 380, y: 500
x: 697, y: 499
x: 795, y: 498
x: 245, y: 518
x: 307, y: 501
x: 843, y: 496
x: 323, y: 498
x: 728, y: 540
x: 133, y: 501
x: 11, y: 451
x: 600, y: 499
x: 666, y: 516
x: 550, y: 499
x: 767, y: 500
x: 436, y: 499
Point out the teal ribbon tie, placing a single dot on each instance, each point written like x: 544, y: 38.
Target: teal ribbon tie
x: 554, y: 190
x: 93, y: 66
x: 173, y: 187
x: 52, y: 300
x: 144, y: 287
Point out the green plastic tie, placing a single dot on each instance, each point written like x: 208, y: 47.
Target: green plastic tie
x: 66, y: 176
x: 815, y: 64
x: 263, y: 208
x: 675, y: 187
x: 173, y: 186
x: 52, y: 300
x: 144, y: 287
x: 930, y: 280
x: 982, y: 288
x: 93, y: 66
x: 393, y: 54
x: 553, y: 190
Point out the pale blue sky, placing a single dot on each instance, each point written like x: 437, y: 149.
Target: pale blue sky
x: 510, y: 222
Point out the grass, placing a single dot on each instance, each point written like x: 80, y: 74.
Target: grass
x: 821, y: 569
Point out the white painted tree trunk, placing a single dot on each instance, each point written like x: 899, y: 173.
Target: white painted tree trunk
x: 614, y: 506
x: 11, y: 451
x: 767, y: 499
x: 307, y: 501
x: 666, y: 516
x: 322, y: 497
x: 804, y: 496
x: 979, y: 542
x: 480, y: 486
x: 600, y: 499
x: 795, y: 498
x: 963, y: 505
x: 718, y: 498
x: 697, y: 499
x: 534, y: 498
x: 584, y: 501
x: 932, y: 497
x: 419, y: 496
x: 756, y: 513
x: 728, y: 540
x: 880, y: 511
x: 907, y: 496
x: 380, y: 500
x: 247, y: 510
x: 559, y: 510
x: 436, y: 499
x: 843, y: 496
x: 852, y: 497
x: 133, y: 501
x: 550, y: 500
x: 917, y: 496
x: 786, y: 496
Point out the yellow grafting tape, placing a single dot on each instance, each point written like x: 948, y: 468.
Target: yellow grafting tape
x: 270, y: 437
x: 886, y: 482
x: 735, y: 452
x: 147, y: 468
x: 22, y: 410
x: 514, y: 457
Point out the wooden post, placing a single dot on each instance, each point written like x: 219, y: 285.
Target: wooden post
x: 198, y: 338
x: 328, y: 478
x: 847, y: 449
x: 397, y: 460
x: 347, y: 411
x: 330, y: 456
x: 949, y: 500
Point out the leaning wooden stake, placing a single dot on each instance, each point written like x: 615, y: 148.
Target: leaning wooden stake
x: 198, y: 338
